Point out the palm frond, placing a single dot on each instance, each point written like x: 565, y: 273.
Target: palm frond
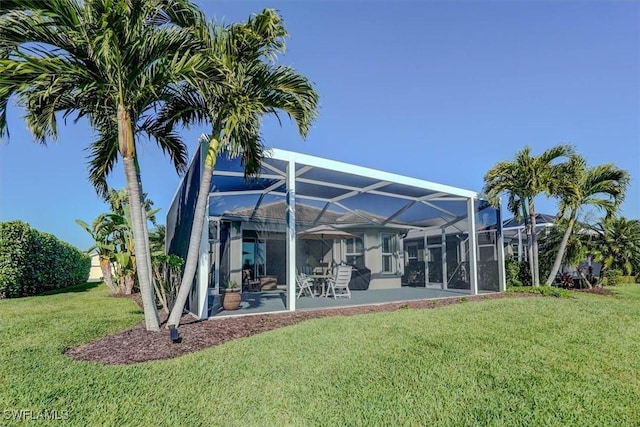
x: 103, y: 156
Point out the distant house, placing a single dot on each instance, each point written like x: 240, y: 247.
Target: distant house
x: 95, y: 273
x: 405, y: 238
x: 515, y: 241
x: 515, y: 234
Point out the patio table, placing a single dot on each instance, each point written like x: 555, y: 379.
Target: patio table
x: 321, y: 279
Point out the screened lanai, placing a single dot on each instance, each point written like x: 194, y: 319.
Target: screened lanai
x: 286, y: 234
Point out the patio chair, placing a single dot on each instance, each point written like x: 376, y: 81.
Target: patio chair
x: 339, y: 286
x: 249, y: 283
x: 304, y: 285
x: 305, y: 269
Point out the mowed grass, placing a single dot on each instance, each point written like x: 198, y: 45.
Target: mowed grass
x: 518, y: 361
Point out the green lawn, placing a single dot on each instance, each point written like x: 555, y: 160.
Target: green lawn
x: 518, y: 361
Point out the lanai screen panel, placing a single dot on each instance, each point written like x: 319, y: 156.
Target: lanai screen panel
x: 489, y: 227
x: 325, y: 196
x: 180, y: 214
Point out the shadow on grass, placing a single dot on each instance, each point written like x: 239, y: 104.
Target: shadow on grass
x: 84, y: 287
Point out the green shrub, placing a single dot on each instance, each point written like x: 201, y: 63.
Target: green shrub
x: 14, y: 242
x: 638, y: 278
x: 524, y: 274
x: 32, y: 261
x: 628, y: 279
x: 517, y: 273
x: 613, y: 277
x: 511, y: 268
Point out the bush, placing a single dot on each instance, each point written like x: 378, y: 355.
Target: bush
x: 613, y: 277
x: 32, y: 261
x: 524, y: 273
x: 628, y: 279
x: 512, y: 272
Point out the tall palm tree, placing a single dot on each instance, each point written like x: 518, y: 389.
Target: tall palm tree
x: 615, y: 242
x: 602, y: 187
x: 523, y: 180
x: 112, y: 61
x: 254, y: 86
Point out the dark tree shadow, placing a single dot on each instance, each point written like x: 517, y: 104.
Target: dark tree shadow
x: 84, y: 287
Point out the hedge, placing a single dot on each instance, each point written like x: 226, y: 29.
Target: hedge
x: 32, y: 261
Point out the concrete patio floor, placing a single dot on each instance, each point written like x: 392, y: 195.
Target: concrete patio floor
x: 276, y: 300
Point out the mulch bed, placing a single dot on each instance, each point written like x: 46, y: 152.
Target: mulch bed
x: 139, y: 345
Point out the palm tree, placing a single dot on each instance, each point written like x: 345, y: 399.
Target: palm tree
x: 615, y: 242
x: 157, y: 238
x: 576, y: 247
x: 112, y: 234
x: 254, y: 86
x: 114, y: 62
x: 104, y: 246
x: 602, y: 187
x: 523, y: 180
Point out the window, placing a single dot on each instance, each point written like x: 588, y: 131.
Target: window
x: 354, y: 251
x: 254, y: 256
x: 388, y: 249
x: 412, y: 253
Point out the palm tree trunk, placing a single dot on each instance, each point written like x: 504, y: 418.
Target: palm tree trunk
x: 145, y: 229
x: 534, y: 244
x: 191, y: 262
x: 152, y: 321
x: 161, y: 294
x: 530, y: 254
x: 138, y: 218
x: 603, y: 270
x: 107, y: 277
x: 129, y: 281
x: 527, y: 228
x: 561, y: 250
x: 584, y: 279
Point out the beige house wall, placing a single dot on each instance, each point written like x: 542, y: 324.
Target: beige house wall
x: 95, y: 273
x: 373, y: 261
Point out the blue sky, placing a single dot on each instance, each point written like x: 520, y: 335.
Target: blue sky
x: 436, y: 90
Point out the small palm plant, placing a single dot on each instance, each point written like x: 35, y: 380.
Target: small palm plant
x: 231, y: 285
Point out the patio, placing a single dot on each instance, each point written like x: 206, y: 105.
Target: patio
x: 274, y: 301
x: 407, y: 238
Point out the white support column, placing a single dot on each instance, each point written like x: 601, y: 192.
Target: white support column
x: 473, y: 248
x: 502, y: 274
x: 425, y: 258
x: 291, y: 235
x: 202, y: 280
x: 443, y: 246
x: 520, y: 250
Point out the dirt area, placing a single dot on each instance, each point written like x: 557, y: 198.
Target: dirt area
x: 595, y: 290
x: 138, y: 345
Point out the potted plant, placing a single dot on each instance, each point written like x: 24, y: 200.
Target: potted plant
x: 231, y: 295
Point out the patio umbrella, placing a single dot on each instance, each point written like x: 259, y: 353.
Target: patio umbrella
x: 322, y: 232
x: 325, y: 232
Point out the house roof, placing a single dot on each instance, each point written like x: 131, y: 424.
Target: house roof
x: 541, y: 220
x: 332, y: 192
